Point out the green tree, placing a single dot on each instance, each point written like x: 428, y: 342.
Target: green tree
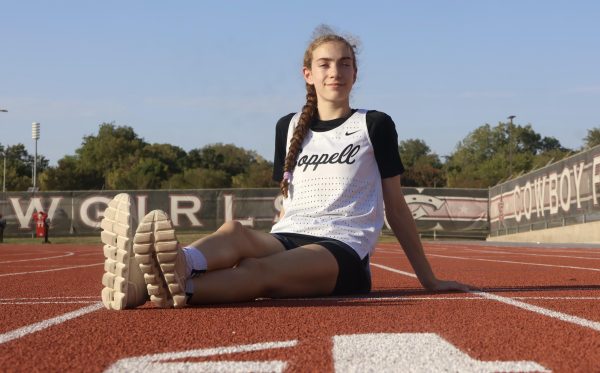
x: 489, y: 155
x: 593, y: 138
x: 172, y: 157
x: 109, y: 150
x: 136, y: 173
x: 117, y: 158
x: 226, y: 157
x: 243, y: 168
x: 258, y: 175
x: 198, y: 178
x: 69, y: 175
x: 423, y: 168
x: 19, y: 167
x: 147, y: 169
x: 427, y: 171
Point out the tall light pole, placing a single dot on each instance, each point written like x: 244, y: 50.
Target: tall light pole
x: 35, y: 134
x: 510, y: 131
x: 4, y: 170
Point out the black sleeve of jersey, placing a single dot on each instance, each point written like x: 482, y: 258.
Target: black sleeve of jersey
x: 281, y: 130
x: 382, y: 132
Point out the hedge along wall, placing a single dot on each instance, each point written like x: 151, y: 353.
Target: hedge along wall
x: 561, y: 194
x: 442, y: 211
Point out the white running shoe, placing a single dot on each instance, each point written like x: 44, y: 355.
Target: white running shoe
x: 161, y: 260
x: 123, y: 280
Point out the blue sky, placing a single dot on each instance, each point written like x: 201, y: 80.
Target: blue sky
x: 192, y: 73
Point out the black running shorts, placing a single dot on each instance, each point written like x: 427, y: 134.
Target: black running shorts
x: 354, y: 275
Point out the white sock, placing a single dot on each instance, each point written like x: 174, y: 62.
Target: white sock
x: 195, y: 260
x: 189, y: 287
x: 196, y: 264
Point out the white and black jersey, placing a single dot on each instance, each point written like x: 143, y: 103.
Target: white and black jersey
x: 336, y: 191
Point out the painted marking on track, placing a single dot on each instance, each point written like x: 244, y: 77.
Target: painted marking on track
x: 393, y: 270
x: 376, y: 352
x: 513, y: 262
x: 38, y: 326
x: 411, y: 298
x: 531, y: 254
x: 69, y: 253
x: 519, y: 249
x: 21, y: 253
x: 414, y: 352
x: 160, y: 362
x: 49, y: 300
x: 545, y: 289
x: 594, y: 325
x: 53, y: 298
x: 50, y: 270
x: 91, y: 254
x: 495, y: 251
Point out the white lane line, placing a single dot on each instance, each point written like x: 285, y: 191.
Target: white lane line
x: 69, y: 253
x: 557, y: 298
x: 394, y: 269
x: 48, y: 302
x: 530, y: 254
x: 38, y: 326
x: 516, y: 249
x: 594, y: 325
x: 163, y: 362
x: 513, y: 262
x: 51, y: 298
x: 9, y: 255
x: 49, y: 270
x: 420, y: 298
x: 389, y: 251
x: 533, y: 289
x: 98, y: 254
x: 566, y: 248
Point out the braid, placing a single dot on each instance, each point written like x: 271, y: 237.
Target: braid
x: 306, y: 117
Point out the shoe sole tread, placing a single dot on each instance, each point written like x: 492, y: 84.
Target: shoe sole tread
x: 156, y: 248
x: 121, y: 289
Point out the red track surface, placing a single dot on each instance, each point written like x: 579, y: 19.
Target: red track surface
x: 538, y: 309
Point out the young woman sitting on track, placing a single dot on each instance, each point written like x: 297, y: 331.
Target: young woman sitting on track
x: 337, y: 166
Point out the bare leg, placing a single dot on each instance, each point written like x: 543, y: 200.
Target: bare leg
x: 305, y: 271
x: 233, y: 242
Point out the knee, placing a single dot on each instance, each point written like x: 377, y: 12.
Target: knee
x: 232, y: 230
x: 235, y: 233
x: 231, y: 227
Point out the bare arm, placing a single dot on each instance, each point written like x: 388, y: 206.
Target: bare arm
x: 403, y: 225
x: 281, y: 213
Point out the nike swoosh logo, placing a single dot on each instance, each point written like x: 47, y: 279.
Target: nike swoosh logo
x: 351, y: 133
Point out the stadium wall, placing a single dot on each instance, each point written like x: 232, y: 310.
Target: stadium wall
x: 438, y: 212
x: 557, y: 203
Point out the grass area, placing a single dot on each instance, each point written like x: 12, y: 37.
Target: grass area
x: 55, y: 240
x: 184, y: 237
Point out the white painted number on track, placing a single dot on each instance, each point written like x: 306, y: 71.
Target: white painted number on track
x: 385, y: 352
x: 413, y: 352
x: 163, y: 362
